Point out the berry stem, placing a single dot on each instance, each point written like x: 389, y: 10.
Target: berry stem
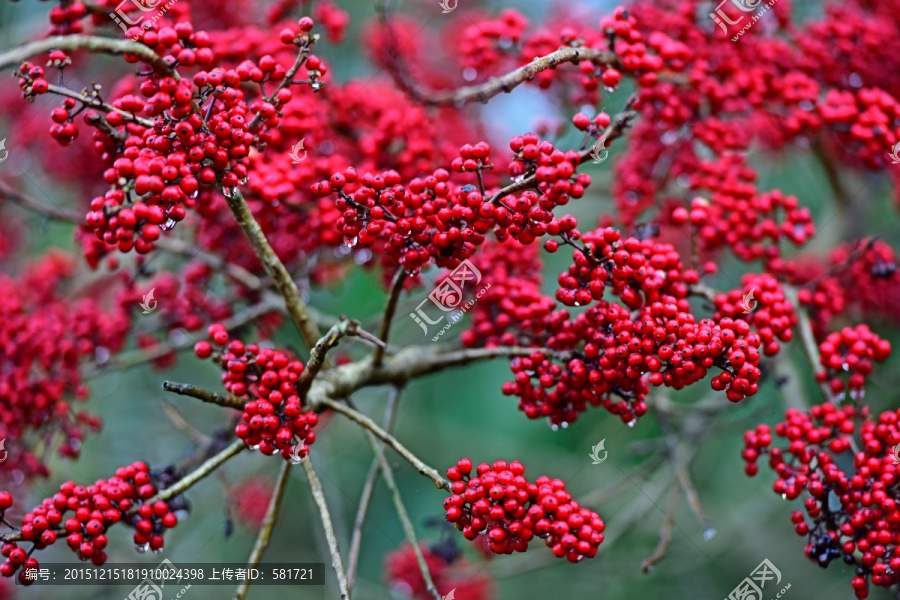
x: 319, y: 497
x: 90, y: 43
x: 268, y: 525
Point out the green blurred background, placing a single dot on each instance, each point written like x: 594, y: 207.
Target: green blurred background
x: 462, y: 413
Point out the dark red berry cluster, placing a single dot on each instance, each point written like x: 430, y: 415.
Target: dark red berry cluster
x: 761, y: 302
x: 95, y: 508
x: 450, y: 572
x: 500, y: 502
x: 847, y: 356
x: 46, y: 337
x: 844, y: 464
x: 273, y: 419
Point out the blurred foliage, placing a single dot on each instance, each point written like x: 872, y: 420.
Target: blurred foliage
x: 463, y: 413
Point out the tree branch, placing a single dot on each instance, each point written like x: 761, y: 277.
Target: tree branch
x: 319, y: 497
x: 390, y: 309
x: 616, y: 129
x: 390, y: 440
x: 368, y: 489
x: 296, y: 307
x: 268, y: 525
x: 408, y: 529
x: 59, y: 214
x: 90, y: 43
x: 186, y: 389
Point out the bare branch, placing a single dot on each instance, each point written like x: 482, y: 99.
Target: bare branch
x: 186, y: 389
x: 296, y: 307
x: 390, y: 309
x: 390, y: 440
x: 90, y: 43
x: 268, y: 525
x: 335, y: 551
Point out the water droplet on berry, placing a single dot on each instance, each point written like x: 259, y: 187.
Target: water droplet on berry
x: 609, y: 89
x: 632, y: 422
x: 141, y: 548
x: 227, y: 192
x: 316, y: 86
x: 254, y: 447
x: 169, y: 224
x: 784, y: 496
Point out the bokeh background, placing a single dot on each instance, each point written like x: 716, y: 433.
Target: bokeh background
x: 462, y: 412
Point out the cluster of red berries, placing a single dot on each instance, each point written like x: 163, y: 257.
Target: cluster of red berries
x: 499, y: 501
x: 45, y: 338
x: 637, y: 271
x: 850, y: 514
x: 761, y: 302
x: 450, y: 572
x: 851, y: 351
x: 121, y: 498
x: 273, y: 418
x: 860, y: 281
x: 513, y: 310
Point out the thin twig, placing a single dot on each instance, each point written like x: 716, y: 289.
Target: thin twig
x: 616, y: 129
x: 808, y: 339
x: 59, y: 214
x: 268, y: 525
x: 390, y: 440
x: 368, y: 489
x: 90, y: 43
x: 296, y: 307
x: 186, y: 389
x: 484, y: 92
x: 333, y: 548
x: 408, y: 529
x: 390, y: 309
x: 665, y: 533
x: 181, y: 424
